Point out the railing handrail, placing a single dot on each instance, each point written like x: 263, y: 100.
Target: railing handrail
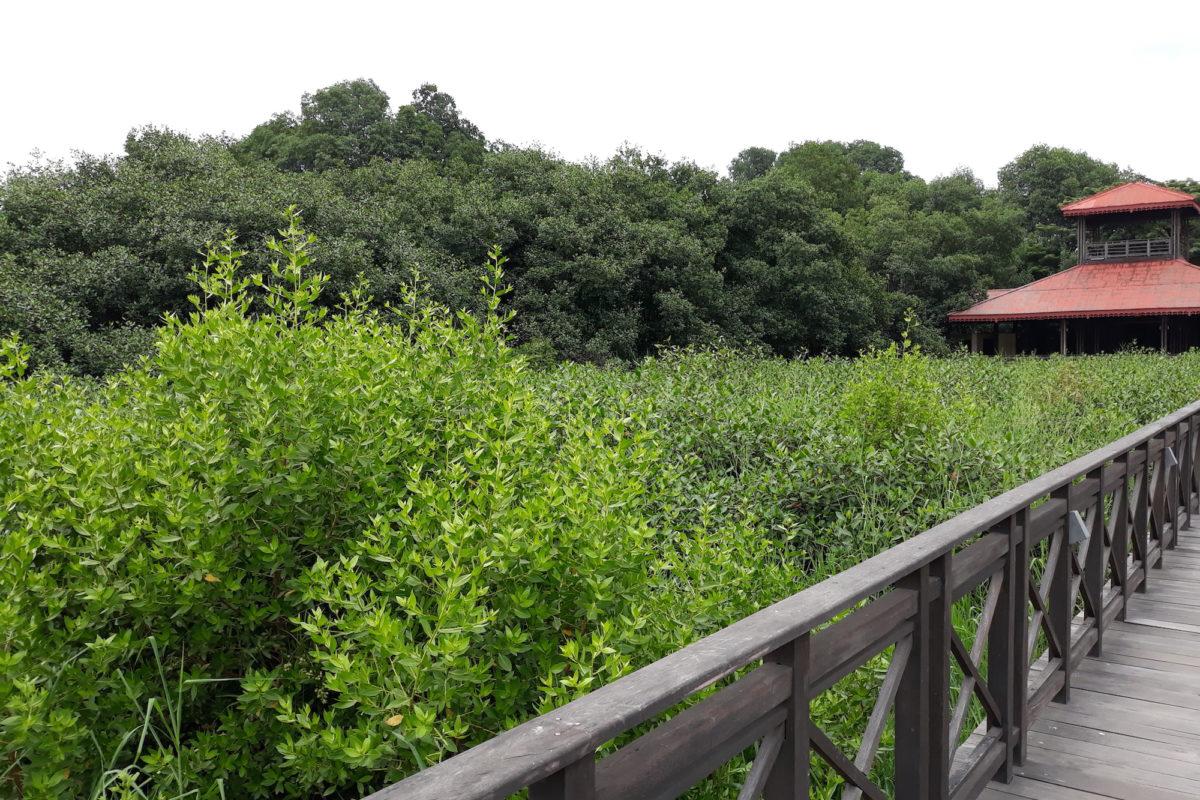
x: 540, y: 747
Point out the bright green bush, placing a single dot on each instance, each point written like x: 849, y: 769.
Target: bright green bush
x: 364, y: 542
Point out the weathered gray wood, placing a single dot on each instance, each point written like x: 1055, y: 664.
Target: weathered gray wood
x: 574, y: 782
x: 1124, y: 777
x: 986, y: 760
x: 837, y: 759
x: 912, y: 777
x: 1177, y: 750
x: 698, y: 740
x: 850, y: 642
x: 788, y: 777
x: 873, y: 733
x: 1061, y: 598
x: 764, y: 762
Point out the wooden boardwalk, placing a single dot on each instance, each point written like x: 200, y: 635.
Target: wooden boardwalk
x: 1132, y: 727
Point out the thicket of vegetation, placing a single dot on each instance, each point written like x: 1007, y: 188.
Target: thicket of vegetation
x: 818, y: 249
x: 304, y: 552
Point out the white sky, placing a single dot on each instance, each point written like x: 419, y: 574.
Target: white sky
x: 950, y: 84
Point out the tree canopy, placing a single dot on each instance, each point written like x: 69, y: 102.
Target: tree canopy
x: 821, y: 248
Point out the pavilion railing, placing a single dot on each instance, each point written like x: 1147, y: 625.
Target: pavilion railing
x: 1128, y: 248
x: 1045, y: 569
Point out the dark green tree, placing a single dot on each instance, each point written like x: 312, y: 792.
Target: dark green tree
x: 828, y: 169
x: 874, y: 157
x: 1039, y: 181
x: 794, y: 281
x: 751, y: 163
x: 349, y: 123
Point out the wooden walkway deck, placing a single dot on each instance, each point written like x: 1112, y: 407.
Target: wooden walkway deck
x: 1132, y: 727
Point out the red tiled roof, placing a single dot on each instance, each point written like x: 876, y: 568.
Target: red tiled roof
x: 1139, y: 196
x: 1097, y: 289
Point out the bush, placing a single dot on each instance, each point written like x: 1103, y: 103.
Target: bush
x: 362, y: 542
x: 893, y: 397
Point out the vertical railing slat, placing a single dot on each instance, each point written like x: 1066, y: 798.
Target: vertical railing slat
x: 1158, y: 499
x: 912, y: 703
x: 1006, y: 637
x: 1120, y: 534
x: 940, y: 631
x: 1141, y: 515
x: 922, y: 713
x: 1061, y: 599
x: 1093, y: 562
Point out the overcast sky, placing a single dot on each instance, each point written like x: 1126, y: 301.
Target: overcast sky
x: 950, y: 84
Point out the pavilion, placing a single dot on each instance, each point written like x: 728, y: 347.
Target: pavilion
x: 1132, y: 285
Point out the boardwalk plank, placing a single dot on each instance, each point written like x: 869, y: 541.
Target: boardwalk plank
x: 1132, y: 728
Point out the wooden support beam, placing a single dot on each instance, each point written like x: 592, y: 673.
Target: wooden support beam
x: 788, y: 777
x: 1061, y: 598
x: 1062, y: 337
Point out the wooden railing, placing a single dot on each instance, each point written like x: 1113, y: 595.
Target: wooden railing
x: 1046, y: 568
x: 1128, y: 248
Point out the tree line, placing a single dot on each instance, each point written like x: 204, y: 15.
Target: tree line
x: 821, y: 248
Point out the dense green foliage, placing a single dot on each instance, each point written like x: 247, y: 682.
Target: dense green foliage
x: 304, y: 552
x: 820, y: 249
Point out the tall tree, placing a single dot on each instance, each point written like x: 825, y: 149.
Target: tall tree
x: 828, y: 169
x: 1043, y: 178
x: 1038, y: 182
x: 751, y: 163
x: 874, y: 157
x: 349, y: 123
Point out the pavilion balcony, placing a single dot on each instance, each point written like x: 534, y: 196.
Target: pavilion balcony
x: 1128, y: 250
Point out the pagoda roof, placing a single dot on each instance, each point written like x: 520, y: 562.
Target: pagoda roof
x: 1129, y: 197
x: 1096, y: 289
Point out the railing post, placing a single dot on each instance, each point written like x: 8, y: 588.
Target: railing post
x: 576, y: 781
x: 1177, y: 499
x: 1007, y: 662
x: 1141, y: 515
x: 1093, y: 563
x: 922, y: 713
x: 1158, y: 501
x: 1120, y: 534
x: 1188, y: 470
x: 1193, y: 464
x: 788, y: 779
x: 1062, y: 601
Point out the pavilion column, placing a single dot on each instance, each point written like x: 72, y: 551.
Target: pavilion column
x: 1062, y: 337
x: 1162, y: 334
x: 974, y: 340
